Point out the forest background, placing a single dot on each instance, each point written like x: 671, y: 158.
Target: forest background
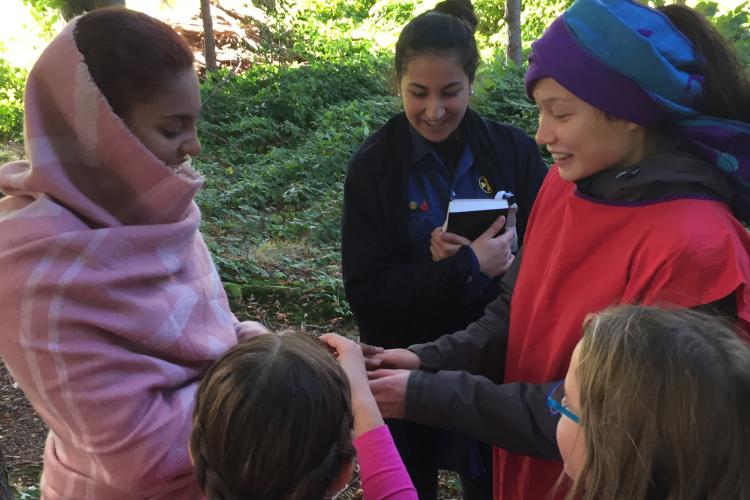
x: 300, y: 85
x: 316, y: 79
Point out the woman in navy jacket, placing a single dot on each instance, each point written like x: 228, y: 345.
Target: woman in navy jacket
x: 408, y: 281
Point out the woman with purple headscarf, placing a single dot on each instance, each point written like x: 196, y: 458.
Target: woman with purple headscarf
x: 645, y: 113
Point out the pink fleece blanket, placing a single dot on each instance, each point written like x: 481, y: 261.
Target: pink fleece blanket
x: 110, y: 305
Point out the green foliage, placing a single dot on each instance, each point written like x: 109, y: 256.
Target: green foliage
x: 30, y: 493
x: 334, y: 10
x: 46, y: 13
x: 500, y: 94
x: 269, y: 106
x: 11, y: 102
x: 491, y: 15
x: 278, y: 137
x: 387, y: 13
x: 277, y: 140
x: 287, y: 207
x: 734, y: 25
x: 536, y: 16
x: 319, y: 30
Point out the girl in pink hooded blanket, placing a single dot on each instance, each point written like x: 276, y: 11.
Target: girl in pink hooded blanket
x: 110, y: 305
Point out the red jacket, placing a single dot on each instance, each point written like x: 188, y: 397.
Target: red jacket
x: 582, y: 256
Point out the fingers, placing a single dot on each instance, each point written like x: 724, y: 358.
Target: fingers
x: 434, y: 253
x: 444, y: 245
x: 494, y: 228
x: 372, y: 363
x: 335, y: 341
x: 341, y: 346
x: 454, y: 239
x: 508, y: 236
x: 508, y: 263
x: 389, y: 391
x: 442, y: 251
x: 384, y: 372
x: 369, y: 350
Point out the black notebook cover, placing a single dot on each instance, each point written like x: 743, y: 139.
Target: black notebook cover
x: 470, y: 219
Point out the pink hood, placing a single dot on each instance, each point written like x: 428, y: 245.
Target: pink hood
x: 110, y: 305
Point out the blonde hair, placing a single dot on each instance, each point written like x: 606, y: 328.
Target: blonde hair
x: 665, y: 404
x: 272, y: 419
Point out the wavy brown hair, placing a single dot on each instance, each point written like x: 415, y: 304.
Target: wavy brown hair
x: 665, y: 403
x: 272, y: 420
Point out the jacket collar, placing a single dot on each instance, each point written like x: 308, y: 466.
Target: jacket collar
x: 668, y: 173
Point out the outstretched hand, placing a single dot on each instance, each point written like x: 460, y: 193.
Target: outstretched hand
x: 392, y: 358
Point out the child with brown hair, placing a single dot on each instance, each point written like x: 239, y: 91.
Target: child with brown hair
x: 655, y: 405
x: 277, y: 417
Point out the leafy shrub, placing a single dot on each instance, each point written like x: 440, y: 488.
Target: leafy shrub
x: 500, y: 94
x: 389, y: 13
x: 293, y: 193
x: 273, y: 224
x: 269, y: 106
x: 336, y: 10
x: 491, y: 15
x: 11, y: 101
x: 537, y: 15
x: 734, y: 25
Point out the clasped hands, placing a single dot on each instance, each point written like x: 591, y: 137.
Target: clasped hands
x: 377, y: 378
x: 388, y: 372
x: 494, y: 254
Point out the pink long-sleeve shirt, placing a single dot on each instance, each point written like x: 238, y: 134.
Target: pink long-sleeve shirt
x: 381, y: 470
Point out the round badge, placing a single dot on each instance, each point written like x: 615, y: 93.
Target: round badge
x: 484, y: 185
x: 412, y: 205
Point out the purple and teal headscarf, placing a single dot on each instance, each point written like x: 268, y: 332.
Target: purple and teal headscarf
x: 630, y: 61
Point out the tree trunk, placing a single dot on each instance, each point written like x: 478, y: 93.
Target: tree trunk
x: 209, y: 44
x: 513, y: 19
x: 5, y: 491
x: 72, y: 8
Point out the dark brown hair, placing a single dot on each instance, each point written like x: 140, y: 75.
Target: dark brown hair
x: 131, y: 56
x: 272, y: 420
x: 665, y: 405
x: 727, y: 87
x: 448, y: 29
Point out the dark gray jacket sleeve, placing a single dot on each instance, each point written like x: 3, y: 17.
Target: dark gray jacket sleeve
x: 511, y: 416
x: 467, y: 396
x: 481, y: 347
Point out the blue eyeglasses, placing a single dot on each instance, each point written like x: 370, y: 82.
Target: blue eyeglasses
x: 556, y: 403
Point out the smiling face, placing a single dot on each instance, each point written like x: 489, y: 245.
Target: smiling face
x: 435, y: 90
x: 570, y: 436
x: 166, y: 124
x: 581, y: 138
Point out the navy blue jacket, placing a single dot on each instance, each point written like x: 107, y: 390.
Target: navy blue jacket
x: 399, y: 301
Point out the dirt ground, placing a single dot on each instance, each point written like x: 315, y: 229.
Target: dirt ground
x: 22, y: 434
